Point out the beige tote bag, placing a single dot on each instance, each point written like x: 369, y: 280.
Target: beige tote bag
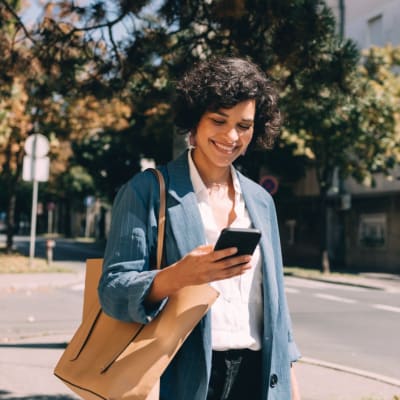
x: 111, y: 359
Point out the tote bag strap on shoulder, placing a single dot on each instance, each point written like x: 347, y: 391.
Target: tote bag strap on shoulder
x: 94, y: 265
x: 161, y: 216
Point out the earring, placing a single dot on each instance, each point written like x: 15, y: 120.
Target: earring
x: 192, y: 140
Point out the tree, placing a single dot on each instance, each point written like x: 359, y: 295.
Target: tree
x: 381, y: 69
x: 41, y: 90
x: 335, y: 115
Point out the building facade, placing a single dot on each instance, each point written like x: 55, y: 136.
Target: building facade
x: 364, y: 222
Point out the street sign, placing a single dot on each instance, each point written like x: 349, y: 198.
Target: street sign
x: 37, y: 145
x: 36, y: 169
x: 269, y: 183
x: 36, y: 165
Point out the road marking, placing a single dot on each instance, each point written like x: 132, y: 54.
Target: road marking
x: 386, y: 308
x: 334, y: 298
x: 78, y: 288
x: 291, y: 290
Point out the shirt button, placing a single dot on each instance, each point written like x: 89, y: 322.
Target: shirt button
x: 273, y: 380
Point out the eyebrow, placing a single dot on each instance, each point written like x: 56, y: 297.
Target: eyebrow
x: 227, y: 116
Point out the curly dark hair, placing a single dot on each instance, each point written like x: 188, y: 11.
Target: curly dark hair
x: 223, y: 82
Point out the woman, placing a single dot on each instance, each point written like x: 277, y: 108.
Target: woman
x: 243, y: 348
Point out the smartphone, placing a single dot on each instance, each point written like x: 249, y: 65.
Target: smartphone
x: 244, y: 239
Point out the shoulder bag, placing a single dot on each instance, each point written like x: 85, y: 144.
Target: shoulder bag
x: 111, y: 359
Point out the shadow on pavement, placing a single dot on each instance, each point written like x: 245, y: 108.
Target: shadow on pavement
x: 34, y: 346
x: 5, y: 395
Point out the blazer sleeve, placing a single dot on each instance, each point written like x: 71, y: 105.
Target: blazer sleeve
x: 127, y: 275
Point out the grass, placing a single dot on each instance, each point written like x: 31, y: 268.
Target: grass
x: 16, y: 263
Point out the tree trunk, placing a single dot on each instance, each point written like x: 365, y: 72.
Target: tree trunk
x: 325, y: 262
x: 12, y: 179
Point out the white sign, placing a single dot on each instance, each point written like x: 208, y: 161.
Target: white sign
x: 37, y: 145
x: 36, y: 169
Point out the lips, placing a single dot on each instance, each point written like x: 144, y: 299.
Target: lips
x: 229, y: 149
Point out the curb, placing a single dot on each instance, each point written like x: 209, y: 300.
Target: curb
x: 339, y: 282
x: 350, y: 370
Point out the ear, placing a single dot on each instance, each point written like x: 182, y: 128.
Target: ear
x: 192, y: 139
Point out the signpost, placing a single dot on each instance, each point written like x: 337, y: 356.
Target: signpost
x: 36, y: 169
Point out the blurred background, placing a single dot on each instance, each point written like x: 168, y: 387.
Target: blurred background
x: 95, y: 78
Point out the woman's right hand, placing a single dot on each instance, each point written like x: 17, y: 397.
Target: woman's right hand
x: 201, y: 265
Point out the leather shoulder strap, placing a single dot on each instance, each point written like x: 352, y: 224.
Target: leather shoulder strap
x: 161, y: 216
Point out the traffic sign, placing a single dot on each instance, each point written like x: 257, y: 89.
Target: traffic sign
x: 37, y: 145
x: 269, y: 183
x: 35, y: 169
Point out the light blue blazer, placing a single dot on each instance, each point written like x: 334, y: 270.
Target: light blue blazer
x: 127, y: 277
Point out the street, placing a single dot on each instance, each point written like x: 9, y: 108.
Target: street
x: 352, y: 326
x: 65, y: 249
x: 45, y: 311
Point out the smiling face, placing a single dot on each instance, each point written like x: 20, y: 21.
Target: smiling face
x: 221, y: 137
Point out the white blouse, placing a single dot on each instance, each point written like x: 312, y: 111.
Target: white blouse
x: 236, y: 316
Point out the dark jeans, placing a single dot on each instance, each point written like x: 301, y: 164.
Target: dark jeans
x: 235, y: 375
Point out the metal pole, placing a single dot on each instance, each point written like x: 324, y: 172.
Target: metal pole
x: 342, y: 16
x: 33, y: 221
x: 50, y: 221
x: 87, y: 226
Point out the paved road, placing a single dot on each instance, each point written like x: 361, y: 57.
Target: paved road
x: 352, y: 326
x: 44, y: 311
x: 341, y: 324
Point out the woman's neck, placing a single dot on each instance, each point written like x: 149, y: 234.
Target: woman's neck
x: 213, y: 177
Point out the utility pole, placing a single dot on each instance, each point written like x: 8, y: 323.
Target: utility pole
x: 342, y: 18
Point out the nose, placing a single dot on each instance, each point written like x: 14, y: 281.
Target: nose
x: 233, y: 135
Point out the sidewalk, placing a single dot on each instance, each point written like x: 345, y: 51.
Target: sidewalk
x: 371, y: 280
x: 26, y: 372
x: 26, y: 366
x: 12, y: 282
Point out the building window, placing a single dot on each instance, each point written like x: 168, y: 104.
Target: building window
x: 375, y: 31
x: 372, y: 230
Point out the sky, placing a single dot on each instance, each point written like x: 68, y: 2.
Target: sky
x: 33, y: 9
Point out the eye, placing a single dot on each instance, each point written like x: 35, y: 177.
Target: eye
x: 218, y: 121
x: 244, y: 127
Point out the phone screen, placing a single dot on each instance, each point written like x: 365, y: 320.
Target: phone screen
x: 245, y: 239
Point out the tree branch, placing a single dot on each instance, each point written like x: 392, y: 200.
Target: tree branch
x: 114, y: 45
x: 18, y: 19
x: 108, y: 24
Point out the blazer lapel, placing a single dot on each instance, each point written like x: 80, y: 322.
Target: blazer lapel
x: 260, y: 217
x: 183, y: 211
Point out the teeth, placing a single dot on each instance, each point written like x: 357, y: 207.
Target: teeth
x: 224, y: 147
